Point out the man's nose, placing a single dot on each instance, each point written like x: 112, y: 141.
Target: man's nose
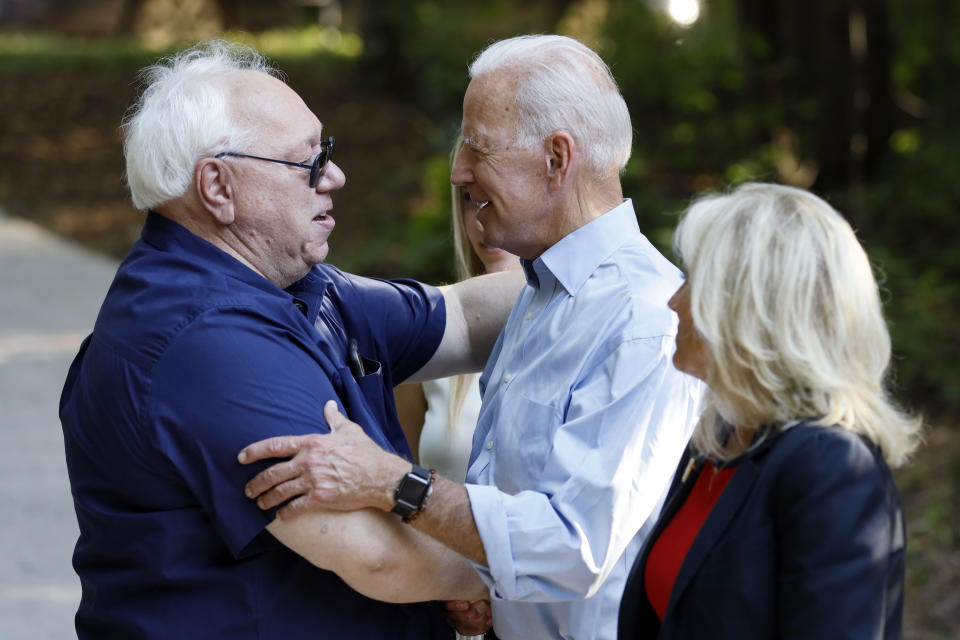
x: 332, y: 179
x: 460, y: 173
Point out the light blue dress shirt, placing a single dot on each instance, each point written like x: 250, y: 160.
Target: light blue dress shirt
x: 584, y: 419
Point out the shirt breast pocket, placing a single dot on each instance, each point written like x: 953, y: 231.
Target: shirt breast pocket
x: 524, y: 442
x: 366, y: 400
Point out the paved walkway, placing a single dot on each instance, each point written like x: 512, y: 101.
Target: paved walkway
x: 50, y: 292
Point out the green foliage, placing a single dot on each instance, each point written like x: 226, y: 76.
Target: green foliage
x: 912, y: 203
x: 702, y: 111
x: 909, y: 228
x: 302, y: 42
x: 700, y: 127
x: 695, y: 128
x: 19, y: 50
x: 926, y: 348
x: 429, y: 229
x: 420, y: 242
x: 23, y: 51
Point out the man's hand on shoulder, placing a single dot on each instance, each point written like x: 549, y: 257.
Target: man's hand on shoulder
x: 343, y: 470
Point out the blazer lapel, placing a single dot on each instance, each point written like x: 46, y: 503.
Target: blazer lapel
x: 716, y: 523
x: 637, y: 618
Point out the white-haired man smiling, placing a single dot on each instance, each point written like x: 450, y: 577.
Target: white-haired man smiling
x: 583, y: 416
x: 223, y: 326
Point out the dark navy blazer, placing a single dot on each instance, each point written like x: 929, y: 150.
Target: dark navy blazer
x: 806, y: 541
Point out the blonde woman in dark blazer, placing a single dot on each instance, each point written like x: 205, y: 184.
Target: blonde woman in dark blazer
x: 783, y: 520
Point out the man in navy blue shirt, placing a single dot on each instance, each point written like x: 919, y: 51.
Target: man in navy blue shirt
x: 222, y: 327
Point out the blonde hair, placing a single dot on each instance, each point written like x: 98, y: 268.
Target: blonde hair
x: 785, y: 300
x: 468, y: 264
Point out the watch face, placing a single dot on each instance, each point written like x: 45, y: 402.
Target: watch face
x: 412, y: 488
x: 411, y: 491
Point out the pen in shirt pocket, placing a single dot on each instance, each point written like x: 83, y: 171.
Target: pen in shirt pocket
x: 354, y: 360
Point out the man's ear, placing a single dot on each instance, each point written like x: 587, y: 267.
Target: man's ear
x: 214, y: 183
x: 559, y: 148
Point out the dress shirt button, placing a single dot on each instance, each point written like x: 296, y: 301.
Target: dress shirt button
x: 489, y: 445
x: 508, y: 377
x: 528, y: 316
x: 301, y: 305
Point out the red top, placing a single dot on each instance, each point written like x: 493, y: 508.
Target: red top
x: 673, y: 543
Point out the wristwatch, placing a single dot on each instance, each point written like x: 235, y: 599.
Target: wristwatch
x: 411, y: 494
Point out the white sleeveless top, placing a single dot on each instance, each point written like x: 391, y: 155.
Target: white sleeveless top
x: 447, y: 452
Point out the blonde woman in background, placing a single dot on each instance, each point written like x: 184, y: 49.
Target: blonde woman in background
x: 439, y: 416
x: 783, y: 520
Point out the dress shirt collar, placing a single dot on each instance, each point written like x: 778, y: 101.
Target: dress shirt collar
x: 578, y: 254
x: 532, y: 278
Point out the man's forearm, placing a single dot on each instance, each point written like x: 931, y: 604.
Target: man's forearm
x: 447, y: 518
x: 477, y: 309
x: 345, y: 471
x: 380, y: 557
x: 486, y: 302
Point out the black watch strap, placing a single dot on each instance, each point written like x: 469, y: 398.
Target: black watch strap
x: 411, y: 492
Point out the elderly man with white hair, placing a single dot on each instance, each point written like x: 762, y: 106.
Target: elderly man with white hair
x: 583, y: 416
x: 221, y: 327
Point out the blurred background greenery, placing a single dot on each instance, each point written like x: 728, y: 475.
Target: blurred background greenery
x: 854, y: 99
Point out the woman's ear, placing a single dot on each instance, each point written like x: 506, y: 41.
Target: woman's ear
x: 214, y: 183
x: 559, y: 149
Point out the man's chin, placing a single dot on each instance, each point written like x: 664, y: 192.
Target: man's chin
x: 317, y: 254
x: 489, y: 241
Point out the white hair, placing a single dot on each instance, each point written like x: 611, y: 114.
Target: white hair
x: 564, y: 86
x: 785, y: 300
x: 182, y: 116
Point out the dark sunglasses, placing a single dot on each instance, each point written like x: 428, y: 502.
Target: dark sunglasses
x: 316, y: 167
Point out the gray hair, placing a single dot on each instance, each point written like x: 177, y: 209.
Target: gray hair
x: 564, y: 86
x: 182, y: 116
x: 784, y: 297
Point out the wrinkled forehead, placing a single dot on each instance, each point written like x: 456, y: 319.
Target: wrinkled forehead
x: 489, y: 106
x: 271, y: 110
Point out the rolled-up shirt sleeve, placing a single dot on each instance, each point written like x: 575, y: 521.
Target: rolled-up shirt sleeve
x: 602, y: 472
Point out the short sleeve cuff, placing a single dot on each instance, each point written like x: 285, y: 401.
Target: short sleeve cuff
x: 423, y: 338
x: 433, y: 332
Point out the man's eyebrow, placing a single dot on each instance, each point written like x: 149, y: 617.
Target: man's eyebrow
x: 476, y: 144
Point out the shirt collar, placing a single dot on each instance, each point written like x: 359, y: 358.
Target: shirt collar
x: 169, y: 236
x: 578, y: 254
x: 310, y: 289
x: 528, y: 270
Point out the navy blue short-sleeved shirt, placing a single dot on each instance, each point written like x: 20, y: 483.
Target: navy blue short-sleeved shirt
x: 193, y: 357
